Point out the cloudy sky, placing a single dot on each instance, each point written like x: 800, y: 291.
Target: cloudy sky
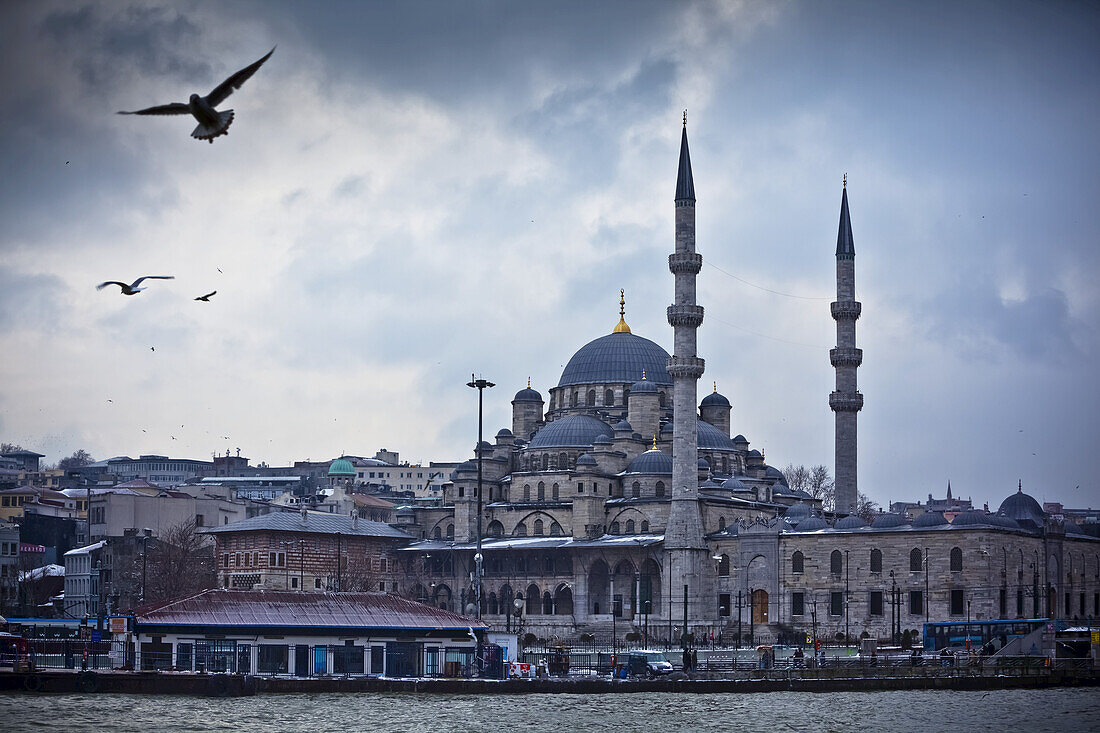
x: 412, y: 192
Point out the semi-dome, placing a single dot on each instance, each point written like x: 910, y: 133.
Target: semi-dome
x: 1023, y: 508
x: 930, y: 519
x: 617, y: 357
x: 851, y: 521
x: 527, y: 395
x: 575, y: 431
x: 341, y: 467
x: 734, y: 483
x: 886, y: 521
x: 714, y: 399
x: 652, y: 462
x: 712, y: 438
x: 811, y: 523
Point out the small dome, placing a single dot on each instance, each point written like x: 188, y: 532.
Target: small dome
x: 755, y: 453
x: 623, y: 425
x: 930, y: 519
x: 781, y: 490
x: 1023, y: 508
x: 740, y: 439
x: 586, y: 459
x: 735, y: 484
x: 484, y: 446
x: 1072, y: 528
x: 886, y: 521
x: 702, y: 464
x: 504, y: 433
x: 775, y: 473
x: 527, y: 395
x: 714, y: 400
x: 710, y: 485
x: 341, y: 467
x: 1002, y: 521
x: 851, y: 521
x: 811, y: 523
x: 797, y: 511
x: 602, y: 440
x: 972, y: 518
x: 643, y: 387
x: 575, y: 431
x: 652, y: 462
x: 667, y: 428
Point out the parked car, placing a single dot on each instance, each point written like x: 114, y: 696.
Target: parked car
x: 648, y: 664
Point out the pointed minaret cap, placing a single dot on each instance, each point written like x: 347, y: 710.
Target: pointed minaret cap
x: 621, y: 326
x: 844, y: 245
x: 685, y: 186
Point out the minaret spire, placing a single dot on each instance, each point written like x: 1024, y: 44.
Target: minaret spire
x: 846, y: 400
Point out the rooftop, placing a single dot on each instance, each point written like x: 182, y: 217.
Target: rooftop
x: 314, y: 523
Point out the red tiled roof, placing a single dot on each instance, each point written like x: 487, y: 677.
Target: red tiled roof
x: 302, y: 609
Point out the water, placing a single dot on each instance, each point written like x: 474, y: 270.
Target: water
x: 1031, y: 710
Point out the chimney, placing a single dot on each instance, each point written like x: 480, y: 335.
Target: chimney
x: 305, y: 520
x: 354, y: 519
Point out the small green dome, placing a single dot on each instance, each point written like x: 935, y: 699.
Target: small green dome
x: 341, y: 467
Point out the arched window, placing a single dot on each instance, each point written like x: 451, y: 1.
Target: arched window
x: 542, y: 491
x: 545, y: 461
x: 437, y: 533
x: 645, y: 526
x: 660, y: 489
x: 538, y: 527
x: 836, y: 562
x: 563, y: 461
x: 520, y: 530
x: 726, y: 465
x: 724, y: 566
x: 876, y: 561
x: 573, y: 400
x: 661, y: 399
x: 527, y: 492
x: 630, y: 526
x: 609, y: 398
x: 721, y: 523
x: 916, y: 561
x: 635, y: 489
x: 798, y: 562
x: 555, y: 530
x: 533, y: 598
x: 590, y: 398
x: 492, y: 606
x: 626, y: 395
x: 547, y: 603
x: 450, y: 531
x: 956, y: 560
x: 614, y: 528
x: 554, y: 492
x: 496, y: 529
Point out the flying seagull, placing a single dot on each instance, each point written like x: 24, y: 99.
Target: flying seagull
x: 206, y: 298
x: 212, y: 123
x: 132, y: 288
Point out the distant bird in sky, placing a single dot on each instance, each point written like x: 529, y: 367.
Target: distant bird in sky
x: 212, y: 123
x: 206, y: 298
x: 152, y: 348
x: 132, y: 288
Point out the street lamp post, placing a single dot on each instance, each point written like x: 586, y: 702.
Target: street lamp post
x: 968, y: 624
x: 145, y: 534
x: 927, y: 599
x: 813, y: 618
x: 893, y: 608
x: 847, y: 595
x: 738, y: 619
x: 480, y: 385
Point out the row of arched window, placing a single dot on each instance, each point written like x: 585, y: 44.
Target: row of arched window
x: 631, y: 527
x: 916, y: 561
x: 540, y: 492
x: 589, y: 399
x: 538, y: 529
x: 636, y: 489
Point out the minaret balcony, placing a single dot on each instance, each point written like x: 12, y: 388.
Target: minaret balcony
x: 685, y: 262
x: 846, y: 401
x: 847, y: 309
x: 690, y: 367
x: 842, y: 357
x: 685, y: 315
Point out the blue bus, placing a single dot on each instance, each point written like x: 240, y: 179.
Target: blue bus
x: 991, y: 635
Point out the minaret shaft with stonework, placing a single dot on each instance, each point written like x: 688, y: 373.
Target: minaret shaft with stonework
x: 845, y: 401
x: 684, y: 539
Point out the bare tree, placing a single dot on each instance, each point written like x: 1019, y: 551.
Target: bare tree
x: 865, y: 507
x: 180, y: 564
x: 360, y: 576
x: 10, y: 447
x: 814, y: 480
x: 77, y: 460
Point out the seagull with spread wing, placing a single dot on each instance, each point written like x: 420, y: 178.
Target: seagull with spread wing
x: 132, y: 288
x: 212, y: 123
x: 206, y: 298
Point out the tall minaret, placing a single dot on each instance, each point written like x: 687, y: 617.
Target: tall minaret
x: 684, y: 533
x: 846, y: 401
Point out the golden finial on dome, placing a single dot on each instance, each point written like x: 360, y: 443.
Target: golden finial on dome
x: 715, y: 386
x: 643, y: 375
x: 655, y: 441
x: 621, y: 326
x: 528, y: 383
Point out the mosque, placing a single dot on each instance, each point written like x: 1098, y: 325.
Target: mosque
x: 622, y: 505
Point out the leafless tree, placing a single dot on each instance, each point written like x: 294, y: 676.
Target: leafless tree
x: 815, y: 481
x: 865, y: 507
x: 798, y: 477
x: 358, y: 577
x: 10, y: 447
x: 179, y: 564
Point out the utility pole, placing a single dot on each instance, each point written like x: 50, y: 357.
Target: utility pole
x: 738, y: 619
x: 480, y: 385
x: 927, y: 599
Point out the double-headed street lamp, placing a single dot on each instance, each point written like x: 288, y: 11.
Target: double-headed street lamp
x: 480, y: 385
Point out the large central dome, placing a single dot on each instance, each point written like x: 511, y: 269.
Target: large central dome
x: 617, y: 357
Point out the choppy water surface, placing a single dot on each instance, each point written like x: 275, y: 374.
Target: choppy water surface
x: 1031, y: 710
